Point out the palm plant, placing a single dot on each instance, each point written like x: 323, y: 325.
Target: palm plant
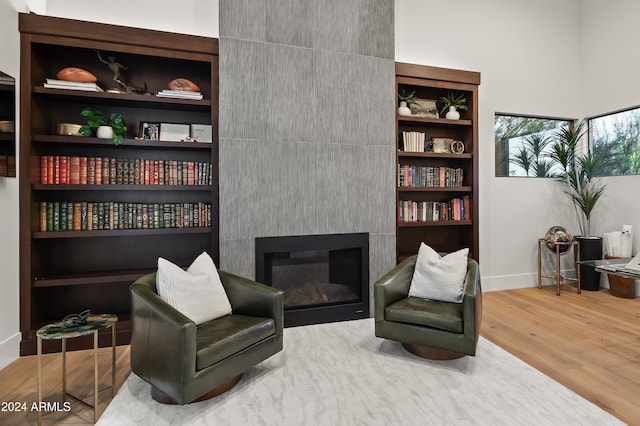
x: 578, y: 172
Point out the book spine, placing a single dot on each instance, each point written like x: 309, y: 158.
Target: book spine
x: 119, y: 171
x: 105, y: 171
x: 77, y: 216
x: 136, y: 171
x: 69, y: 217
x: 98, y: 171
x: 44, y: 160
x: 56, y: 216
x: 43, y: 216
x: 113, y: 170
x: 74, y: 170
x: 64, y: 169
x: 49, y: 216
x: 83, y: 216
x: 83, y: 170
x: 91, y: 171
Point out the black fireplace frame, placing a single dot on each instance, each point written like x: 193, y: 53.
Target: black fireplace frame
x: 296, y: 316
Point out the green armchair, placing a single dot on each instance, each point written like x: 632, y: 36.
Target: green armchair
x: 185, y: 362
x: 428, y: 328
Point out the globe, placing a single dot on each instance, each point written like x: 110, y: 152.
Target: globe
x: 557, y: 234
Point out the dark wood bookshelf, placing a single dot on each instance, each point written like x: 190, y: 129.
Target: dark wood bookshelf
x: 443, y: 235
x: 63, y: 272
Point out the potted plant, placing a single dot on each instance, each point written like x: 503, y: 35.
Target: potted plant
x: 109, y: 127
x: 578, y: 177
x: 452, y: 103
x: 406, y: 98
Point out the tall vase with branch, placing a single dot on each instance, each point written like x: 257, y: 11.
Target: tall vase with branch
x: 577, y: 173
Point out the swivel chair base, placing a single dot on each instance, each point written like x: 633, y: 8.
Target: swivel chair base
x: 163, y: 398
x: 431, y: 353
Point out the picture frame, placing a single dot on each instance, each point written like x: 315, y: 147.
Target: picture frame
x: 149, y: 130
x: 424, y: 108
x: 441, y: 145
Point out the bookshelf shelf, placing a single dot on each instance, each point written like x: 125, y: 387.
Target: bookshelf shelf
x: 444, y: 234
x: 434, y: 189
x: 68, y: 271
x: 436, y: 223
x: 433, y: 121
x: 128, y: 100
x: 102, y: 277
x: 119, y: 233
x: 109, y: 187
x: 126, y: 143
x: 403, y: 154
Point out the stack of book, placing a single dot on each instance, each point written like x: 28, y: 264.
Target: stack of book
x: 179, y: 94
x: 52, y: 83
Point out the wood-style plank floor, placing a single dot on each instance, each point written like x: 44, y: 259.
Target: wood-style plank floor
x: 589, y: 342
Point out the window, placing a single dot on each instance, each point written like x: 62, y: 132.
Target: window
x: 615, y: 138
x: 522, y: 145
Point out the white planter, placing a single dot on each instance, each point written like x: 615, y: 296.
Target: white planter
x: 452, y: 114
x: 403, y: 109
x: 104, y: 132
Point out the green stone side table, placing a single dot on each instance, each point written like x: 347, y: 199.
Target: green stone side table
x: 57, y: 331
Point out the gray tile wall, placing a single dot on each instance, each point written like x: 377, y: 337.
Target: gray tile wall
x: 307, y: 110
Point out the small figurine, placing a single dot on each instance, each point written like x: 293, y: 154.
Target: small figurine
x: 117, y: 68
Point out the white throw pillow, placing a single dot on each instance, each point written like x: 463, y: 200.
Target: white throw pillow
x: 197, y: 292
x: 439, y: 278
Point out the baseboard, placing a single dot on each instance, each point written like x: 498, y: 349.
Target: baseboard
x: 9, y: 350
x: 511, y: 282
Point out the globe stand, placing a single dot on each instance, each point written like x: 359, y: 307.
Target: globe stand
x: 566, y: 246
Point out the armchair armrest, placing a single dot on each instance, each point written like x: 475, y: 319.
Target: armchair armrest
x: 393, y: 286
x: 472, y: 299
x: 163, y: 340
x: 248, y: 297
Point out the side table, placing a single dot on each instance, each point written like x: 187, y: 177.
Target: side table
x: 558, y: 277
x: 56, y: 331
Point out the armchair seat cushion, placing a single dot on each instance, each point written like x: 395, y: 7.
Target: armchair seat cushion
x: 222, y: 337
x: 426, y: 312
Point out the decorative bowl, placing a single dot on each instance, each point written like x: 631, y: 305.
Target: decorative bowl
x: 7, y: 126
x: 68, y: 129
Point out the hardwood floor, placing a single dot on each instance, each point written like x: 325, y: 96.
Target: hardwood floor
x: 18, y: 385
x: 589, y: 342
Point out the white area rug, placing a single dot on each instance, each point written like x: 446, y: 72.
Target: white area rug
x: 341, y: 374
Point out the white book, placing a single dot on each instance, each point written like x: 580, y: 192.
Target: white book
x: 67, y: 87
x: 52, y: 83
x: 177, y: 96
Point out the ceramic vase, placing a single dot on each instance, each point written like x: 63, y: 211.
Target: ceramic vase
x: 452, y: 114
x: 104, y: 132
x: 403, y: 109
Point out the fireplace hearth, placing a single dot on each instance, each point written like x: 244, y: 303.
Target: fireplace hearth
x: 325, y: 278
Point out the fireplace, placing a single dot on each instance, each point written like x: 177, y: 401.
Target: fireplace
x: 325, y: 278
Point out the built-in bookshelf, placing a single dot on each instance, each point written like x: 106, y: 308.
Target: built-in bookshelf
x: 96, y: 216
x: 437, y: 163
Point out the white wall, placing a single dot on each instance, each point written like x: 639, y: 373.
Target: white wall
x: 528, y: 54
x: 611, y: 81
x: 197, y: 17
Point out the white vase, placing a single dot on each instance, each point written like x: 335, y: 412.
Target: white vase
x: 403, y: 109
x: 104, y: 132
x: 452, y: 114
